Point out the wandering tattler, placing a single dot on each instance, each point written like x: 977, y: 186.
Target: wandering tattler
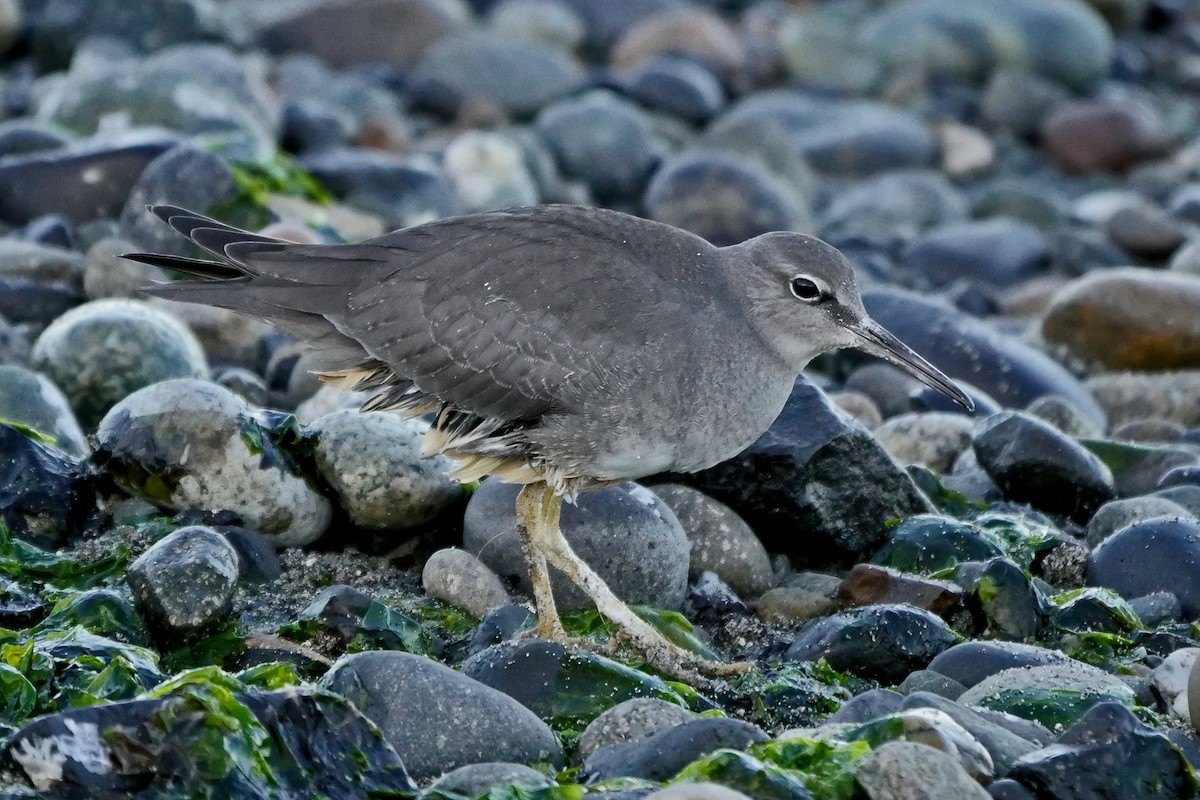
x: 559, y: 347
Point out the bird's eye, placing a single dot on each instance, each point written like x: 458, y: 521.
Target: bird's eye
x: 806, y: 289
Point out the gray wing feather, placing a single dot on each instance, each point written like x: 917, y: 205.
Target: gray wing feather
x: 507, y: 315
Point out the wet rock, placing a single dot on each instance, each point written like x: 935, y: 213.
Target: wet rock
x: 630, y: 721
x: 1146, y: 231
x: 244, y: 383
x: 789, y: 604
x: 1066, y: 42
x: 302, y: 736
x: 932, y: 439
x: 883, y: 642
x: 1128, y: 396
x: 201, y: 91
x: 545, y: 21
x: 677, y: 86
x: 187, y: 444
x: 1107, y: 748
x: 786, y: 481
x: 488, y: 171
x: 519, y: 77
x: 607, y: 20
x: 373, y: 461
x: 1149, y: 431
x: 723, y: 198
x: 911, y: 770
x: 60, y: 26
x: 721, y: 541
x: 1008, y: 370
x: 475, y: 780
x: 43, y: 183
x: 695, y: 33
x: 1130, y: 318
x: 46, y: 496
x: 107, y: 274
x: 997, y: 251
x: 1002, y: 598
x: 927, y: 399
x: 971, y: 662
x: 902, y: 203
x: 1056, y: 695
x: 625, y: 533
x: 924, y: 680
x: 104, y: 350
x: 1117, y: 514
x: 1156, y: 608
x: 31, y: 399
x: 1140, y: 467
x: 402, y: 191
x: 841, y: 137
x: 183, y: 585
x: 603, y: 141
x: 1085, y: 136
x: 1019, y: 101
x: 1156, y: 555
x: 184, y: 176
x: 1033, y: 462
x: 561, y: 683
x: 866, y: 706
x: 858, y: 406
x: 438, y: 719
x: 346, y: 34
x: 338, y: 610
x: 456, y: 577
x: 926, y: 543
x: 1003, y: 746
x: 661, y: 755
x: 868, y: 584
x: 1065, y: 416
x: 936, y: 730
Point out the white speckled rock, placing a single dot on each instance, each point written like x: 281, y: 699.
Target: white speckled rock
x: 456, y: 577
x: 932, y: 439
x: 910, y: 771
x: 721, y: 541
x: 1170, y: 680
x: 373, y: 461
x: 181, y: 444
x: 101, y: 351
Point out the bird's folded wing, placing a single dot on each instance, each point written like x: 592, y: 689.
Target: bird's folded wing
x: 494, y: 315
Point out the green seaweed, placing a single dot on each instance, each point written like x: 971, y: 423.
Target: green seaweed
x: 31, y: 565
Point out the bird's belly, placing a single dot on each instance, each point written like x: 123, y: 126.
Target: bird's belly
x: 691, y: 431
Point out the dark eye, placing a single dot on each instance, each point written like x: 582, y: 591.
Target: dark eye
x: 806, y: 289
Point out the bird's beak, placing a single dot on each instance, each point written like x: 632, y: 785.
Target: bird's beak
x: 877, y: 341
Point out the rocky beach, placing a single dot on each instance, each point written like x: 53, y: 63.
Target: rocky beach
x: 220, y: 579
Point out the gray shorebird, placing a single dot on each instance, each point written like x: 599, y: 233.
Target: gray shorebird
x: 559, y: 347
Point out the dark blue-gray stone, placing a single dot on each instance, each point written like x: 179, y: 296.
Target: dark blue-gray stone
x: 1157, y: 555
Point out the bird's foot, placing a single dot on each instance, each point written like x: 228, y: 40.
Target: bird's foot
x: 663, y: 655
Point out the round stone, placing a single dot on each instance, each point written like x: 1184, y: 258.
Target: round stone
x: 721, y: 541
x: 995, y: 251
x: 460, y: 579
x: 104, y: 350
x: 1085, y: 136
x: 1154, y: 555
x: 1035, y: 463
x: 625, y: 533
x: 436, y: 718
x: 1117, y: 514
x: 933, y: 439
x: 629, y: 721
x: 183, y: 585
x: 31, y: 399
x: 373, y: 461
x: 723, y: 198
x: 1130, y: 318
x: 488, y: 172
x: 191, y: 445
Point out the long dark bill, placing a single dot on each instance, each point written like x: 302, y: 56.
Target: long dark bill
x: 878, y: 341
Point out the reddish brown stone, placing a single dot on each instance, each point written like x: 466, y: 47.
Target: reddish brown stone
x: 1128, y: 318
x: 871, y: 584
x: 1091, y: 135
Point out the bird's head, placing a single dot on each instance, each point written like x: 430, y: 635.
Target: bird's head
x: 803, y: 299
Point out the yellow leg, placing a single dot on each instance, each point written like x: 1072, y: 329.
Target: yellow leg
x: 533, y: 507
x: 538, y: 518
